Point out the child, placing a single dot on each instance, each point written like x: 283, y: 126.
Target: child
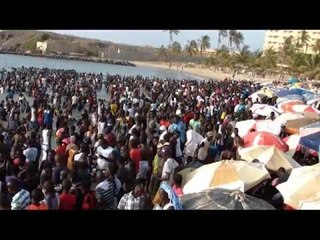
x: 177, y: 182
x: 37, y: 201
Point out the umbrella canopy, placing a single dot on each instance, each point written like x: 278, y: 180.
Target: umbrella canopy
x: 294, y: 121
x: 272, y: 157
x: 290, y: 98
x: 302, y: 185
x: 265, y: 91
x: 301, y: 108
x: 227, y: 174
x: 264, y: 139
x: 293, y: 91
x: 311, y: 141
x: 287, y: 105
x: 293, y: 141
x: 245, y: 126
x: 223, y: 199
x: 310, y: 205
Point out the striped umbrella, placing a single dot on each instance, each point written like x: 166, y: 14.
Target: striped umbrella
x: 264, y: 139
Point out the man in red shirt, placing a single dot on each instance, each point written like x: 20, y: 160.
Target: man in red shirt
x: 135, y: 153
x: 67, y: 200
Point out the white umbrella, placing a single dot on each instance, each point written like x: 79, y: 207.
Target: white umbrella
x: 310, y: 205
x: 272, y: 157
x: 302, y: 185
x: 228, y: 174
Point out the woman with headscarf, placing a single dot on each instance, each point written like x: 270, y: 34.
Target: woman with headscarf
x: 168, y: 198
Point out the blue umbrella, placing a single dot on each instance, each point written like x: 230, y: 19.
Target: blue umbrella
x: 311, y: 141
x: 295, y: 91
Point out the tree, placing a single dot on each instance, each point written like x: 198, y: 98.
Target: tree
x: 316, y: 46
x: 238, y: 39
x: 176, y: 48
x: 232, y: 34
x: 304, y: 38
x: 191, y: 48
x: 45, y: 37
x: 222, y: 34
x: 171, y: 34
x: 244, y: 55
x: 311, y: 66
x: 287, y: 48
x: 269, y: 59
x: 162, y: 52
x: 205, y: 43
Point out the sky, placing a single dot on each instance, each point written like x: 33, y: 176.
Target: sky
x: 156, y: 38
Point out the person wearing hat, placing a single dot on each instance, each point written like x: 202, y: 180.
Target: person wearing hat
x: 204, y: 146
x: 163, y: 131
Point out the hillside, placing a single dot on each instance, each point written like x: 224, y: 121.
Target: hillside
x: 22, y: 40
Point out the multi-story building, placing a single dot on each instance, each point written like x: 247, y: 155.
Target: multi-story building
x: 276, y: 38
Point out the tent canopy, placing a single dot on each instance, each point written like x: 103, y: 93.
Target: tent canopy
x: 311, y: 141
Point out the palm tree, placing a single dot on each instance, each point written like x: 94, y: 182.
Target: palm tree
x: 311, y: 66
x: 304, y: 38
x: 316, y: 46
x: 204, y: 43
x: 191, y: 47
x: 176, y: 48
x: 244, y: 55
x: 270, y: 58
x: 232, y: 34
x: 171, y: 33
x: 162, y: 51
x: 238, y: 39
x: 221, y: 34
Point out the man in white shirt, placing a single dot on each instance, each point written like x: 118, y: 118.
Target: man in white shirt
x: 104, y: 153
x: 30, y: 153
x: 204, y: 147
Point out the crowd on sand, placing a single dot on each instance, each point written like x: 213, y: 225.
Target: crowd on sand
x: 69, y: 149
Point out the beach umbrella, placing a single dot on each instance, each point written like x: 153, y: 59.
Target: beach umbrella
x: 290, y: 98
x: 311, y: 141
x: 266, y: 111
x: 294, y: 121
x: 229, y: 174
x: 302, y: 108
x: 268, y: 126
x: 264, y: 139
x: 266, y: 92
x: 293, y: 91
x: 223, y: 199
x: 271, y: 157
x: 245, y: 126
x: 310, y: 205
x: 302, y: 185
x: 287, y: 105
x: 313, y: 101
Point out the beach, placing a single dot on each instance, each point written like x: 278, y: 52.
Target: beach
x: 205, y: 73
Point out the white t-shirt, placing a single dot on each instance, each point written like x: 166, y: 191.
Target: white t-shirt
x: 33, y: 115
x: 203, y: 152
x: 178, y: 148
x: 101, y: 127
x: 74, y: 99
x: 45, y: 136
x: 168, y: 167
x: 31, y: 154
x: 106, y: 153
x: 162, y: 135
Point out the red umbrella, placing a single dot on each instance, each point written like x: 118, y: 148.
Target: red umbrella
x: 265, y: 139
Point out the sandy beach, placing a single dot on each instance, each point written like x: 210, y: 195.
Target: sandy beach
x: 205, y: 73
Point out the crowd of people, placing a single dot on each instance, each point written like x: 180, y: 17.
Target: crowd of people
x: 69, y: 149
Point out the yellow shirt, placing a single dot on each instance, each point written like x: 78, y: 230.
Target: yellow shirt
x: 113, y: 108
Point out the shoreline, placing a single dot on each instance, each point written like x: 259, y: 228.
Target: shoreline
x: 74, y: 58
x: 204, y: 73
